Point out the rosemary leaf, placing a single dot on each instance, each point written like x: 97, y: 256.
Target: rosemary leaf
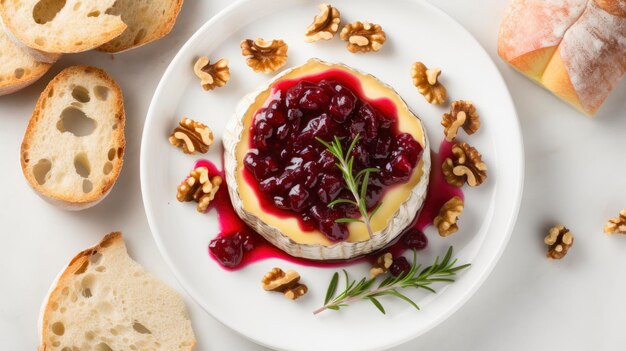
x: 332, y: 288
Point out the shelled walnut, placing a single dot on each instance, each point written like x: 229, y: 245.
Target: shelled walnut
x: 462, y: 115
x: 382, y: 264
x: 616, y: 225
x: 363, y: 36
x: 446, y: 221
x: 264, y: 56
x: 466, y: 165
x: 427, y: 83
x: 559, y: 240
x: 192, y: 136
x: 212, y: 75
x: 287, y: 283
x: 199, y: 187
x: 325, y: 25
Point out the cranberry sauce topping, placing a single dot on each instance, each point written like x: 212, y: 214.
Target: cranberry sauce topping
x: 238, y: 245
x: 293, y: 173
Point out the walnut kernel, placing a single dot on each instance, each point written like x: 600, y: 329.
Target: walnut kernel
x: 446, y: 221
x: 559, y: 240
x: 325, y: 25
x: 382, y: 264
x: 466, y: 165
x: 363, y: 36
x: 264, y: 56
x: 192, y: 136
x: 212, y: 75
x: 287, y: 283
x: 427, y: 83
x: 617, y: 224
x: 462, y: 115
x: 199, y: 187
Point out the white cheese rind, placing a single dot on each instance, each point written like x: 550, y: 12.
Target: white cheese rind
x: 400, y: 220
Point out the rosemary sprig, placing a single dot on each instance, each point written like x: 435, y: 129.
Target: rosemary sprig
x: 439, y: 271
x: 357, y: 184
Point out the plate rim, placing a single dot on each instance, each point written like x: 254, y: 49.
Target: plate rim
x: 510, y: 221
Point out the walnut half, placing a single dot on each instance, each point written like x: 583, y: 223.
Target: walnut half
x: 192, y: 136
x: 212, y: 75
x: 363, y: 36
x: 325, y: 25
x: 466, y: 165
x: 616, y: 225
x: 559, y: 240
x: 264, y: 56
x: 382, y: 264
x: 427, y: 83
x: 462, y: 115
x: 287, y: 283
x: 446, y: 221
x: 199, y: 187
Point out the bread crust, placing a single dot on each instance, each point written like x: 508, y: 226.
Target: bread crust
x: 75, y: 264
x: 164, y: 29
x: 13, y: 85
x: 63, y: 200
x: 50, y: 51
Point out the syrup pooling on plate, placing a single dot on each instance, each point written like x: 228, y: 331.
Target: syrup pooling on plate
x: 237, y: 245
x: 291, y: 170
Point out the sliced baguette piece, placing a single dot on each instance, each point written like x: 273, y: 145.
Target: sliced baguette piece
x: 103, y: 300
x: 147, y: 21
x: 61, y: 26
x: 18, y: 69
x: 73, y: 148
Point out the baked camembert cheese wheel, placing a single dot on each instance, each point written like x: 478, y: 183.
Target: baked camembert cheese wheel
x: 281, y: 178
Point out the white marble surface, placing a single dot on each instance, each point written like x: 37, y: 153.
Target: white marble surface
x: 575, y: 173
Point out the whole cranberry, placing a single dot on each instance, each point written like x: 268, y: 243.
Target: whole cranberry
x: 341, y: 106
x: 333, y: 230
x: 247, y: 239
x: 314, y: 98
x: 297, y: 197
x: 370, y: 118
x: 292, y: 98
x: 361, y: 155
x: 228, y: 251
x: 308, y: 222
x: 399, y: 266
x: 415, y: 239
x: 261, y: 167
x: 310, y: 174
x: 329, y: 188
x: 319, y: 127
x: 381, y: 146
x: 327, y: 161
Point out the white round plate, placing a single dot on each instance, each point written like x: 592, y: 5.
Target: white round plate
x: 415, y: 30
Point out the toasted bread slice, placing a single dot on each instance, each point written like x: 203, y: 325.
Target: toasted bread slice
x: 147, y: 21
x: 72, y: 152
x: 103, y: 300
x: 61, y: 26
x: 18, y: 69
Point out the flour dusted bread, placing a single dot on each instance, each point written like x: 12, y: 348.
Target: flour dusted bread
x: 147, y: 21
x: 105, y: 301
x: 18, y: 69
x: 73, y: 148
x: 61, y: 26
x: 574, y: 48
